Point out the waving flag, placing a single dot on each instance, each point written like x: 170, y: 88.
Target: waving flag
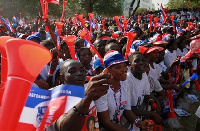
x: 53, y: 1
x: 43, y: 107
x: 7, y: 24
x: 93, y: 25
x: 166, y: 37
x: 156, y: 37
x: 163, y: 13
x: 14, y: 19
x: 132, y: 49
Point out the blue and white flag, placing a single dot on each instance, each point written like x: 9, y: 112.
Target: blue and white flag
x: 43, y: 107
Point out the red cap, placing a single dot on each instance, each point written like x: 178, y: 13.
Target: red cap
x: 160, y: 43
x: 153, y: 48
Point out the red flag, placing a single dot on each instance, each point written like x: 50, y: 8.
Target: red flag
x: 20, y: 15
x: 53, y: 1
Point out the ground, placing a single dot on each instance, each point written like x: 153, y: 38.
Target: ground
x: 188, y: 123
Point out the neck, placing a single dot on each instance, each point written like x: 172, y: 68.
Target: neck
x: 151, y: 63
x: 86, y: 66
x: 137, y: 75
x: 115, y: 84
x: 171, y: 50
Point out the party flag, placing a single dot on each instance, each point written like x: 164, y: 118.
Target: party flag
x: 163, y: 13
x: 43, y: 107
x: 7, y: 24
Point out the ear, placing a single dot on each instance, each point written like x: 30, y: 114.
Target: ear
x: 61, y: 79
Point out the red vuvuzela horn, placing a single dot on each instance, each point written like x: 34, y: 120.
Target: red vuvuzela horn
x: 103, y: 23
x: 125, y: 22
x: 150, y: 17
x: 59, y: 26
x: 4, y: 64
x: 131, y: 36
x: 156, y: 19
x: 63, y: 11
x: 25, y: 61
x: 70, y: 42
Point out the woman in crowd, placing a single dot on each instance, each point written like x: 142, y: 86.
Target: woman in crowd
x: 116, y: 102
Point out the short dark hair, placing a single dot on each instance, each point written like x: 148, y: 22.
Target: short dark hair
x: 78, y: 41
x: 130, y: 58
x: 81, y: 50
x: 48, y: 44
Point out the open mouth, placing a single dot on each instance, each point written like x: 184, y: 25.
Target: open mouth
x: 142, y: 67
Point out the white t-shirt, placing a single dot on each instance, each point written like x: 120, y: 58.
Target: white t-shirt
x: 161, y: 66
x: 107, y: 102
x: 156, y: 72
x: 45, y: 70
x: 138, y: 88
x: 181, y: 53
x: 169, y: 57
x: 154, y: 84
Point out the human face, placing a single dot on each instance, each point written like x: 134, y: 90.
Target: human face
x: 85, y: 56
x: 91, y: 125
x: 138, y: 63
x: 153, y: 56
x: 74, y: 73
x: 100, y: 46
x: 118, y: 71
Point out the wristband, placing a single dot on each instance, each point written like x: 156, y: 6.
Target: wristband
x: 136, y: 121
x: 80, y: 114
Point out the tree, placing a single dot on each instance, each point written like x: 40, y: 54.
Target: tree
x: 140, y: 10
x: 174, y: 4
x: 131, y: 11
x: 32, y: 7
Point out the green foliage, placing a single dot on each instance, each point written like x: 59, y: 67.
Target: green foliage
x: 174, y: 4
x: 108, y: 7
x: 30, y: 8
x: 140, y: 10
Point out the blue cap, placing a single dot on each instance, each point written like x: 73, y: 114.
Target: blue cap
x: 113, y: 57
x: 97, y: 64
x: 32, y: 37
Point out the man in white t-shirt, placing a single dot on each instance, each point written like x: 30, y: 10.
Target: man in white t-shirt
x: 140, y: 87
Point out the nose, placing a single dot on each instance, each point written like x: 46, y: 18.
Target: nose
x: 80, y: 73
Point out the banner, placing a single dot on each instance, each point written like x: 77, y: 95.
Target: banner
x: 43, y: 107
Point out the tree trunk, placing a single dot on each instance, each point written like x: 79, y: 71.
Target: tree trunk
x: 89, y: 7
x: 138, y: 5
x: 131, y: 7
